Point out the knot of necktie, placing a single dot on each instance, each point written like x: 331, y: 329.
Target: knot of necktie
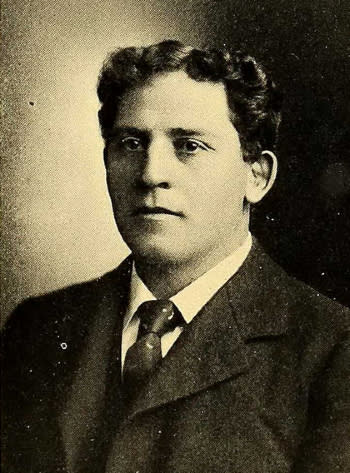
x: 156, y: 318
x: 159, y: 317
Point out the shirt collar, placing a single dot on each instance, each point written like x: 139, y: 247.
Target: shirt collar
x: 193, y: 297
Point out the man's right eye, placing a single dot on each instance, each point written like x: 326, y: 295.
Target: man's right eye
x: 131, y: 143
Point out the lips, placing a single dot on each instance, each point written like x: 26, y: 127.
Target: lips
x: 156, y: 210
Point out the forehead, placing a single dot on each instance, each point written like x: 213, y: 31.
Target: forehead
x: 175, y: 100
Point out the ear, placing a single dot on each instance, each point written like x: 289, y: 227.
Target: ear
x: 261, y: 176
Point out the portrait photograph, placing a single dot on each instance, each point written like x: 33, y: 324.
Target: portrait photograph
x: 175, y: 228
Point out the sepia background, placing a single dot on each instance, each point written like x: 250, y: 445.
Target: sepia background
x: 57, y: 225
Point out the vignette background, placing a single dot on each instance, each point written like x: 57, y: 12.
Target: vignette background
x: 57, y: 224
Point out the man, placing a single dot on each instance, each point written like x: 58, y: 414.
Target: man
x: 198, y: 353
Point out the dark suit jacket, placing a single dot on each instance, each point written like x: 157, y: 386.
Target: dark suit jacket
x: 257, y: 383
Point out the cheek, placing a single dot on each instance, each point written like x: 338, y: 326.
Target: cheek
x: 222, y: 189
x: 121, y: 168
x: 119, y: 177
x: 118, y: 191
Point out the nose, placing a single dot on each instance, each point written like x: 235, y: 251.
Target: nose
x: 158, y: 164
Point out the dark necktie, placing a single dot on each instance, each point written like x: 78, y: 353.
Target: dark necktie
x: 156, y: 318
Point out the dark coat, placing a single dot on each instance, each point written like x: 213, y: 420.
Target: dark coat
x: 257, y: 383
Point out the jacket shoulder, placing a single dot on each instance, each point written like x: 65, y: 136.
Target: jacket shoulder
x: 39, y: 315
x: 306, y: 309
x: 315, y: 309
x: 319, y: 324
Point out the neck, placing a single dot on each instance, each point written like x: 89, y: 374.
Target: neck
x: 166, y: 278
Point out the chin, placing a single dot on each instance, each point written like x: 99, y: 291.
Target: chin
x: 157, y: 254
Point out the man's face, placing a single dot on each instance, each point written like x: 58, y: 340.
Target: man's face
x: 175, y: 171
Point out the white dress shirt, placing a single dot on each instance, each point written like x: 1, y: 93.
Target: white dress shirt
x: 189, y: 300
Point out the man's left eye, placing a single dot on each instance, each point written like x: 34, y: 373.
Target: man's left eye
x: 189, y: 146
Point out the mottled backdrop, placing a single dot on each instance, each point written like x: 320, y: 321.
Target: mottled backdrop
x: 57, y: 225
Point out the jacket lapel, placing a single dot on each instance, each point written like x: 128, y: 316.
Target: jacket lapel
x: 214, y: 346
x: 97, y: 374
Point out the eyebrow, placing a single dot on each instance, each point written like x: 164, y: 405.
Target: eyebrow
x: 174, y: 132
x: 187, y: 132
x: 127, y: 130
